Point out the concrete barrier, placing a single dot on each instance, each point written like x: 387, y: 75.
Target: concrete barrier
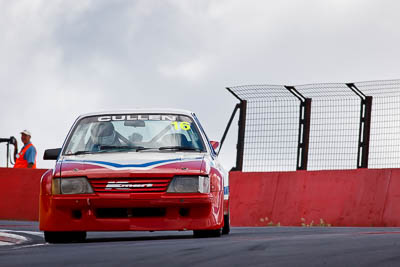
x: 19, y: 193
x: 362, y: 197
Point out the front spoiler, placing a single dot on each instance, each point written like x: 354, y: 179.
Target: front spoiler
x: 206, y: 212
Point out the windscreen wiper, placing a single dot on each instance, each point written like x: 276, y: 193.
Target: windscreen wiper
x: 145, y: 148
x: 179, y: 148
x: 80, y: 152
x: 105, y: 148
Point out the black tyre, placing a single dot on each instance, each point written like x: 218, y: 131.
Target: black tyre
x: 207, y: 233
x: 227, y: 227
x: 64, y: 237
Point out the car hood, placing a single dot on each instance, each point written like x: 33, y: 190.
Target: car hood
x: 131, y: 163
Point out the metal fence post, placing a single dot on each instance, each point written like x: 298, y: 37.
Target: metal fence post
x: 365, y: 126
x: 304, y: 128
x: 241, y: 133
x: 228, y: 126
x: 304, y: 140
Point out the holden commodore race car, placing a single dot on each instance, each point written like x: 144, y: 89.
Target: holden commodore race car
x: 137, y: 170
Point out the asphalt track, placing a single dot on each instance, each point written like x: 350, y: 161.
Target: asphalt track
x: 266, y: 246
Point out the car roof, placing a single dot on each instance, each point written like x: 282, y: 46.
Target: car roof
x: 140, y: 111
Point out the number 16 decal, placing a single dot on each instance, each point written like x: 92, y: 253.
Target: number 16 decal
x: 181, y: 125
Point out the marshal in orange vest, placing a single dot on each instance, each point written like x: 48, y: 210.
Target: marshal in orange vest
x: 20, y: 162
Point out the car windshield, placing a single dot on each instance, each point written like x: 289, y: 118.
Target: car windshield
x: 134, y: 132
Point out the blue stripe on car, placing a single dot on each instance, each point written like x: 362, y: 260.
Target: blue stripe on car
x: 226, y: 190
x: 116, y: 165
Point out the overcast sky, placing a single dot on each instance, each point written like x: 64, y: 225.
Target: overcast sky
x: 60, y: 59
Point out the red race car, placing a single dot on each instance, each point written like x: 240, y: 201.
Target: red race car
x: 138, y: 170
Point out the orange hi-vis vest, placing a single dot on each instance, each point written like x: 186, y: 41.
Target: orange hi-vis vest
x: 20, y: 162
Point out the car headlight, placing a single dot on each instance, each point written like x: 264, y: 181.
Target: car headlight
x: 189, y: 184
x: 78, y: 185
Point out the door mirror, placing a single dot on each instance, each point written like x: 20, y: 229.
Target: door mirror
x: 214, y: 144
x: 51, y: 154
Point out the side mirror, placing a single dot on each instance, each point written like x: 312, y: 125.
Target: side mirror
x: 51, y: 154
x: 215, y: 144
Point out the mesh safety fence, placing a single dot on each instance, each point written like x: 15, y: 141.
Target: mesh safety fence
x: 334, y: 128
x: 272, y: 126
x: 271, y: 111
x: 384, y: 148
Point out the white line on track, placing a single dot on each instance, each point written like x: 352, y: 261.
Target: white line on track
x: 11, y: 239
x: 23, y: 232
x: 31, y: 246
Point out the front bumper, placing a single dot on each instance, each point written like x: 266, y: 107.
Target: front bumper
x: 131, y: 212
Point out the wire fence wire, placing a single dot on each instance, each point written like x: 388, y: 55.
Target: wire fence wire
x: 272, y: 126
x: 265, y: 123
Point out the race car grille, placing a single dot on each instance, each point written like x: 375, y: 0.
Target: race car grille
x: 130, y: 185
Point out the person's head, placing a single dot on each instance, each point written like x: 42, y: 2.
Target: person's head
x: 136, y: 138
x: 103, y: 133
x: 25, y: 136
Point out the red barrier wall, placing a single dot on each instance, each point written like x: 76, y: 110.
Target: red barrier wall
x: 341, y: 198
x: 19, y: 193
x: 363, y: 197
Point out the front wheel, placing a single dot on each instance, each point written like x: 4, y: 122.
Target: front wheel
x: 207, y: 233
x: 64, y: 237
